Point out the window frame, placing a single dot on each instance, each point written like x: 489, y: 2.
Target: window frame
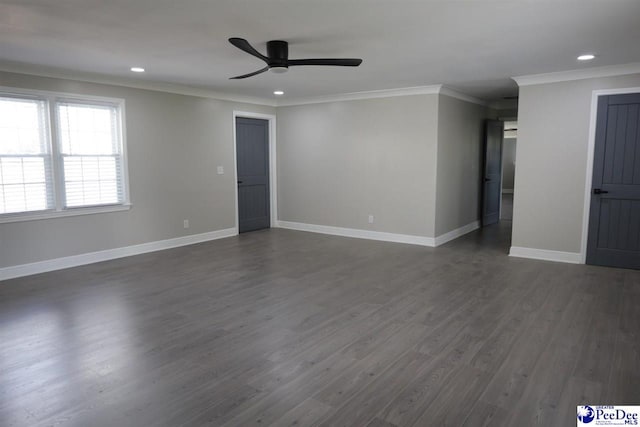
x: 51, y: 99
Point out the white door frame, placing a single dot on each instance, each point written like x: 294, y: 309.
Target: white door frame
x: 273, y: 182
x: 590, y: 158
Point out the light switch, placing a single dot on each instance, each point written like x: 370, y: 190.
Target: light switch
x: 220, y: 170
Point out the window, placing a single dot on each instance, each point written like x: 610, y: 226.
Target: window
x: 91, y: 154
x: 25, y: 161
x: 60, y: 155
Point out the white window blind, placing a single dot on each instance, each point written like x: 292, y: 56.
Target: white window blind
x: 60, y: 155
x: 25, y: 156
x: 91, y: 153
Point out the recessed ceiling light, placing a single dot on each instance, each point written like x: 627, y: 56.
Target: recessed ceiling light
x: 586, y: 57
x: 137, y: 69
x: 278, y: 92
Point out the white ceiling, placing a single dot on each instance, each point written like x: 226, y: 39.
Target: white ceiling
x: 474, y: 46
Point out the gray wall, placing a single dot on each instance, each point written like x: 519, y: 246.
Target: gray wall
x: 506, y: 114
x: 174, y: 144
x: 460, y: 140
x: 553, y: 132
x: 508, y: 163
x: 338, y: 162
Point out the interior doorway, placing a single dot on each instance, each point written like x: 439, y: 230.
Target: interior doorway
x: 508, y: 169
x: 614, y: 214
x: 252, y: 166
x: 492, y: 172
x: 255, y: 171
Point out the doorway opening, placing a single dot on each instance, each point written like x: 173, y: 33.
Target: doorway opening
x: 492, y: 172
x: 498, y: 172
x: 613, y: 197
x: 509, y: 145
x: 255, y: 171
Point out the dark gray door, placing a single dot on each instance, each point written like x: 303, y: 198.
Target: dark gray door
x: 492, y: 186
x: 252, y: 156
x: 614, y: 217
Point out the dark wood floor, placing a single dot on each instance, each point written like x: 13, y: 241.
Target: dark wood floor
x: 287, y: 328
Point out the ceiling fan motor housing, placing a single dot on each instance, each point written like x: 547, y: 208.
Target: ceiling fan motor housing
x: 278, y: 53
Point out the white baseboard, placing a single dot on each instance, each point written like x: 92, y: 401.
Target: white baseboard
x: 109, y: 254
x: 380, y: 235
x: 91, y: 257
x: 358, y: 234
x: 454, y: 234
x: 507, y: 191
x: 546, y: 255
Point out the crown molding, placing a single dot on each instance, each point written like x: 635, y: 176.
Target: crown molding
x: 586, y: 73
x: 207, y: 93
x: 385, y: 93
x: 447, y: 91
x: 354, y: 96
x: 132, y: 83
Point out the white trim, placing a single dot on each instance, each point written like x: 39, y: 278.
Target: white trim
x: 545, y: 255
x: 579, y: 74
x: 125, y: 152
x: 458, y: 232
x: 358, y: 234
x: 385, y: 93
x: 109, y: 254
x: 33, y: 216
x: 135, y: 83
x: 380, y: 235
x: 52, y: 98
x: 273, y: 175
x: 447, y: 91
x: 591, y: 144
x: 206, y: 93
x: 18, y: 91
x: 590, y: 158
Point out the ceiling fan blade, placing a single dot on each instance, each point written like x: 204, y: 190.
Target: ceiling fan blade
x: 242, y: 44
x: 244, y: 76
x: 342, y: 62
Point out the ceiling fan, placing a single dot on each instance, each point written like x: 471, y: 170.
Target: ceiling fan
x: 278, y: 61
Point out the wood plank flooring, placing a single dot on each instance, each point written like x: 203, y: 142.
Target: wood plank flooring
x: 287, y: 328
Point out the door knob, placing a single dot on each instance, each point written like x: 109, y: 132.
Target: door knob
x: 239, y: 182
x: 599, y: 191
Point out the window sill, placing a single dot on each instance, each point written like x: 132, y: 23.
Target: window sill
x: 35, y: 216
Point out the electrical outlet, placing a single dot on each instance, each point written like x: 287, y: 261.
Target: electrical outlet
x: 185, y: 224
x: 220, y: 170
x: 370, y: 219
